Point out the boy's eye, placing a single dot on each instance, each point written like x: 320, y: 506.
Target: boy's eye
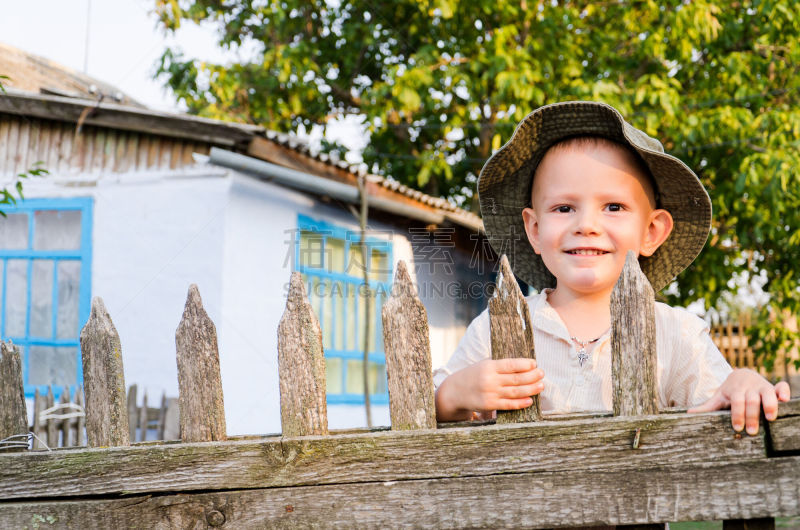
x: 563, y: 209
x: 614, y: 207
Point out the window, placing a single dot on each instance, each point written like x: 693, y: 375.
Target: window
x: 329, y: 257
x: 45, y: 262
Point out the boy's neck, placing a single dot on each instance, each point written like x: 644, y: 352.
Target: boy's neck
x: 586, y: 316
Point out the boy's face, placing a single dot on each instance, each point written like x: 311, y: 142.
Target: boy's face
x: 591, y: 204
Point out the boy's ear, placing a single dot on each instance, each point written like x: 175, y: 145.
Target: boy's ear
x: 531, y: 227
x: 658, y: 230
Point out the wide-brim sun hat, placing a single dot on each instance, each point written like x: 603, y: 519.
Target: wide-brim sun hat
x: 504, y: 189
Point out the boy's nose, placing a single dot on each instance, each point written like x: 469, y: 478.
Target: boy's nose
x: 587, y: 222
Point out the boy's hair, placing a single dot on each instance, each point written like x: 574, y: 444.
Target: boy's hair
x: 505, y: 181
x: 578, y: 143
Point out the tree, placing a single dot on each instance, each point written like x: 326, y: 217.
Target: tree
x: 440, y: 84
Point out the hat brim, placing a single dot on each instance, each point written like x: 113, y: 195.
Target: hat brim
x: 504, y: 189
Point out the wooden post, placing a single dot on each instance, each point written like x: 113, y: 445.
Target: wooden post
x: 103, y: 379
x: 133, y: 418
x: 65, y: 422
x: 199, y: 381
x: 79, y: 436
x: 301, y: 366
x: 13, y: 415
x: 162, y: 415
x: 408, y: 356
x: 633, y: 342
x: 512, y: 334
x: 143, y: 420
x: 39, y: 404
x: 51, y: 426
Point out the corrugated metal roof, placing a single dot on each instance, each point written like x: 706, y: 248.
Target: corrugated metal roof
x: 457, y: 214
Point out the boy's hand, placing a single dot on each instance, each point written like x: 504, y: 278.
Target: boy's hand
x: 745, y: 392
x: 486, y: 386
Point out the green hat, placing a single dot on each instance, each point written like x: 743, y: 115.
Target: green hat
x: 504, y: 189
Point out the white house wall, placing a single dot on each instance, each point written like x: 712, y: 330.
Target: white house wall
x: 153, y: 235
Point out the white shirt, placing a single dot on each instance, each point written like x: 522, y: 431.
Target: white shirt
x: 690, y: 367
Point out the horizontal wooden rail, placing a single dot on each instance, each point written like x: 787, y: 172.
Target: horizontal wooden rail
x: 733, y: 490
x: 382, y: 456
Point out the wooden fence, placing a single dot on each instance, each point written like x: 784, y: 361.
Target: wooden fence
x: 637, y: 467
x: 63, y: 424
x: 731, y: 338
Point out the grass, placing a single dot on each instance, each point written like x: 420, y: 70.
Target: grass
x: 784, y: 523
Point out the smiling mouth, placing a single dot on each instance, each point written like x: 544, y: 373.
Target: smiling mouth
x: 587, y: 252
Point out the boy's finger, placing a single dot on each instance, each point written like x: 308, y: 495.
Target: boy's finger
x: 514, y: 404
x: 769, y: 402
x: 521, y: 378
x: 715, y: 402
x: 516, y: 392
x: 783, y: 391
x: 510, y: 366
x: 737, y: 411
x: 752, y: 411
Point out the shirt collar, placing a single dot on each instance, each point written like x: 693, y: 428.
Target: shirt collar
x: 546, y: 318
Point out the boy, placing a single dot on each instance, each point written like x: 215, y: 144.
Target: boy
x: 585, y: 187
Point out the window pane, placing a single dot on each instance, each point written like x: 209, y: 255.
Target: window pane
x: 355, y: 377
x: 377, y: 378
x: 350, y: 317
x: 310, y: 254
x: 57, y: 230
x: 42, y: 299
x: 379, y: 266
x: 355, y: 263
x: 314, y: 295
x: 69, y: 275
x: 53, y: 366
x: 327, y: 315
x: 16, y: 297
x: 373, y: 322
x: 14, y: 231
x: 341, y: 317
x: 378, y: 330
x: 362, y: 307
x: 333, y: 375
x: 334, y: 253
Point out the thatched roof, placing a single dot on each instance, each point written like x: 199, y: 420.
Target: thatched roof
x: 36, y: 74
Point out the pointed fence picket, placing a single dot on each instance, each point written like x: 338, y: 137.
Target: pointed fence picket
x: 637, y: 468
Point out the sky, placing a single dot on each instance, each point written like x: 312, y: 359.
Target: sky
x: 123, y: 47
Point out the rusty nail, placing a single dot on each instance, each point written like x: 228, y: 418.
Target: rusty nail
x: 289, y: 508
x: 636, y: 438
x: 215, y: 518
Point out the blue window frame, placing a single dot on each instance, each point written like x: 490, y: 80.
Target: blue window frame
x: 329, y: 258
x: 46, y: 258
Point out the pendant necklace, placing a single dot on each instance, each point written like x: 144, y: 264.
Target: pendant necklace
x: 582, y: 355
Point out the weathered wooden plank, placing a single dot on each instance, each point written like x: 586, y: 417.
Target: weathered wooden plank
x: 143, y: 420
x: 742, y: 490
x: 301, y: 366
x: 52, y: 426
x: 784, y: 434
x: 64, y: 427
x: 633, y: 342
x: 588, y: 444
x: 4, y: 145
x: 13, y: 415
x: 104, y: 381
x: 408, y: 356
x: 202, y: 404
x: 80, y: 437
x: 38, y: 427
x: 512, y: 334
x: 133, y: 417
